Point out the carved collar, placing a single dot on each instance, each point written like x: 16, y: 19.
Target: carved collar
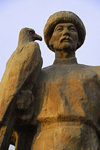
x: 71, y: 60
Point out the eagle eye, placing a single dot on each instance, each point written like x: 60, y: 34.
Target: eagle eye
x: 31, y: 32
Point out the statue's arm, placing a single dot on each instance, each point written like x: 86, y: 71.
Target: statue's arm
x: 96, y: 69
x: 25, y: 106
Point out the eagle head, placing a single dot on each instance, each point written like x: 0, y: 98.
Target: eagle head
x: 27, y: 35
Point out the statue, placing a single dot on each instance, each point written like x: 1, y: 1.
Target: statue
x: 16, y: 98
x: 66, y: 108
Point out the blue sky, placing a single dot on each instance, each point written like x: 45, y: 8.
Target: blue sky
x: 16, y: 14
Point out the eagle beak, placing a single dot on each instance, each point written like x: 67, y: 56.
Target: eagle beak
x: 37, y: 37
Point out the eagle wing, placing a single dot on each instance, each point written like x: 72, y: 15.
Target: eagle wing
x: 24, y: 63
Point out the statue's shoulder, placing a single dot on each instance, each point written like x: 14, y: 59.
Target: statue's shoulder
x: 45, y: 73
x: 92, y: 68
x: 96, y: 69
x: 48, y: 68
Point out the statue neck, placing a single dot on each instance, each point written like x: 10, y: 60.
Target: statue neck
x: 65, y: 57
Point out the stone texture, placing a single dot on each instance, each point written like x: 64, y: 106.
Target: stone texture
x: 17, y: 73
x: 21, y: 72
x: 22, y: 68
x: 68, y: 107
x: 66, y: 94
x: 63, y: 16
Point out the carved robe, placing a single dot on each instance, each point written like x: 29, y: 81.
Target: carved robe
x: 68, y: 107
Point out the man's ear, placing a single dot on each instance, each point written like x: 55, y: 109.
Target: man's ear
x: 79, y: 43
x: 51, y: 44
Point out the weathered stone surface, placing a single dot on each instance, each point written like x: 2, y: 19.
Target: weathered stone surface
x: 63, y: 16
x: 68, y: 107
x: 21, y: 72
x: 17, y: 73
x: 66, y: 94
x: 22, y: 68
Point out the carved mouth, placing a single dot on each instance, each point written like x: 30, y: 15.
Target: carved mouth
x: 65, y: 39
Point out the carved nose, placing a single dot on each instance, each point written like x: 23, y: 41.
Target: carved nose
x: 66, y: 32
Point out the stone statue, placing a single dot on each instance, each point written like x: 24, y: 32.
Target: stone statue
x: 17, y: 83
x: 66, y: 95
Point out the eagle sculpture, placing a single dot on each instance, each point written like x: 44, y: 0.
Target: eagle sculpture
x: 20, y: 76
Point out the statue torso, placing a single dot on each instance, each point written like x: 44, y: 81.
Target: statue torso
x: 68, y: 96
x: 68, y: 90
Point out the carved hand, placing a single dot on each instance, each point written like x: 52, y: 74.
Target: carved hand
x: 25, y: 105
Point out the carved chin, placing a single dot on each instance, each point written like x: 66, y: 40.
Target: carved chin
x: 69, y: 47
x: 66, y: 48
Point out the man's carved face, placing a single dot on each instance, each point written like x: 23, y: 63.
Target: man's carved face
x: 64, y: 37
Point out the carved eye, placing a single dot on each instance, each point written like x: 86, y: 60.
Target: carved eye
x: 60, y: 28
x: 31, y: 32
x: 72, y: 28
